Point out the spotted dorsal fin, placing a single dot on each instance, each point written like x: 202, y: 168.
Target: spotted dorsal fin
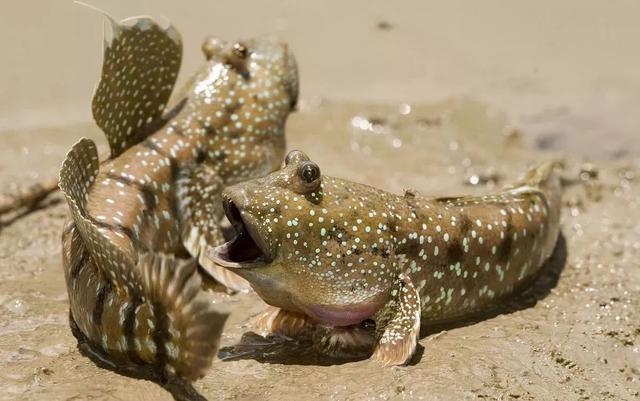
x: 139, y: 71
x: 77, y: 175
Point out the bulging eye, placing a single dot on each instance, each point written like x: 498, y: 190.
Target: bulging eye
x: 309, y: 172
x: 240, y: 50
x: 237, y: 57
x: 295, y: 156
x: 308, y: 177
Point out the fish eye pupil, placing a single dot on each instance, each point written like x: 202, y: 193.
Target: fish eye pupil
x: 310, y: 173
x: 240, y: 50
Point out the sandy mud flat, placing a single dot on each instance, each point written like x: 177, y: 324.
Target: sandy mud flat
x: 575, y: 335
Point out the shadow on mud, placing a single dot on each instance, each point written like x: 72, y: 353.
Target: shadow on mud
x: 10, y: 216
x: 288, y: 351
x: 281, y: 350
x: 180, y: 390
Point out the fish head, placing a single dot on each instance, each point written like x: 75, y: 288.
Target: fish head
x: 266, y: 61
x: 310, y: 243
x: 255, y: 81
x: 272, y: 58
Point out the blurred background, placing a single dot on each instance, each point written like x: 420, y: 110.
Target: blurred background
x: 570, y: 66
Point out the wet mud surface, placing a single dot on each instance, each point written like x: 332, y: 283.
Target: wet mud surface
x: 574, y: 335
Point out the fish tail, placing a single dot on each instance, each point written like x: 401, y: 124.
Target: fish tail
x: 145, y: 309
x: 542, y: 174
x: 546, y: 179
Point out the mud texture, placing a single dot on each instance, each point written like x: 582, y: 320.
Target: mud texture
x: 575, y: 335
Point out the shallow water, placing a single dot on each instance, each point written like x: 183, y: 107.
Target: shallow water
x: 574, y: 336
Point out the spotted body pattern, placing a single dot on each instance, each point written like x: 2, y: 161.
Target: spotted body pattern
x: 341, y: 252
x: 156, y: 200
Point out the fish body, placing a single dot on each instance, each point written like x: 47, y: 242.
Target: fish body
x: 140, y: 219
x: 338, y: 253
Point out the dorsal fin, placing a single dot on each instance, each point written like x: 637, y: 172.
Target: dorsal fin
x: 139, y: 71
x: 77, y: 175
x: 187, y: 323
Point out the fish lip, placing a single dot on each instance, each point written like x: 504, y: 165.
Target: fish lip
x: 220, y: 256
x: 245, y: 226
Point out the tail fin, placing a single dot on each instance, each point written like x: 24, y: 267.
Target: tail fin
x: 541, y: 174
x: 145, y: 309
x: 139, y: 71
x: 545, y: 178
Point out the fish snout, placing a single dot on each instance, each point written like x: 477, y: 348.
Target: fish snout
x: 238, y: 199
x: 233, y: 202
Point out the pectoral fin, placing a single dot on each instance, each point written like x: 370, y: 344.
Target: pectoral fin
x: 398, y: 325
x: 279, y: 321
x: 190, y: 326
x: 200, y: 213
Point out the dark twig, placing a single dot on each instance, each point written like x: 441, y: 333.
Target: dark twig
x: 30, y: 198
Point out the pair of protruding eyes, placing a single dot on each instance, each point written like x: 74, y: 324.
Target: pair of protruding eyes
x: 308, y: 175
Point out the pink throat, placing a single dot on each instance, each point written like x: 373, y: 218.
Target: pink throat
x: 341, y: 316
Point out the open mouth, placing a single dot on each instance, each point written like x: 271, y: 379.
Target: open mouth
x: 247, y: 249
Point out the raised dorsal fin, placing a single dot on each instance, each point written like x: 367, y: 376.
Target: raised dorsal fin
x: 77, y: 176
x: 139, y: 71
x: 166, y: 290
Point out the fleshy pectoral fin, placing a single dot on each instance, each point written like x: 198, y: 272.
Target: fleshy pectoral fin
x: 337, y: 342
x: 398, y: 325
x: 343, y: 342
x: 279, y: 321
x: 140, y: 68
x: 200, y: 213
